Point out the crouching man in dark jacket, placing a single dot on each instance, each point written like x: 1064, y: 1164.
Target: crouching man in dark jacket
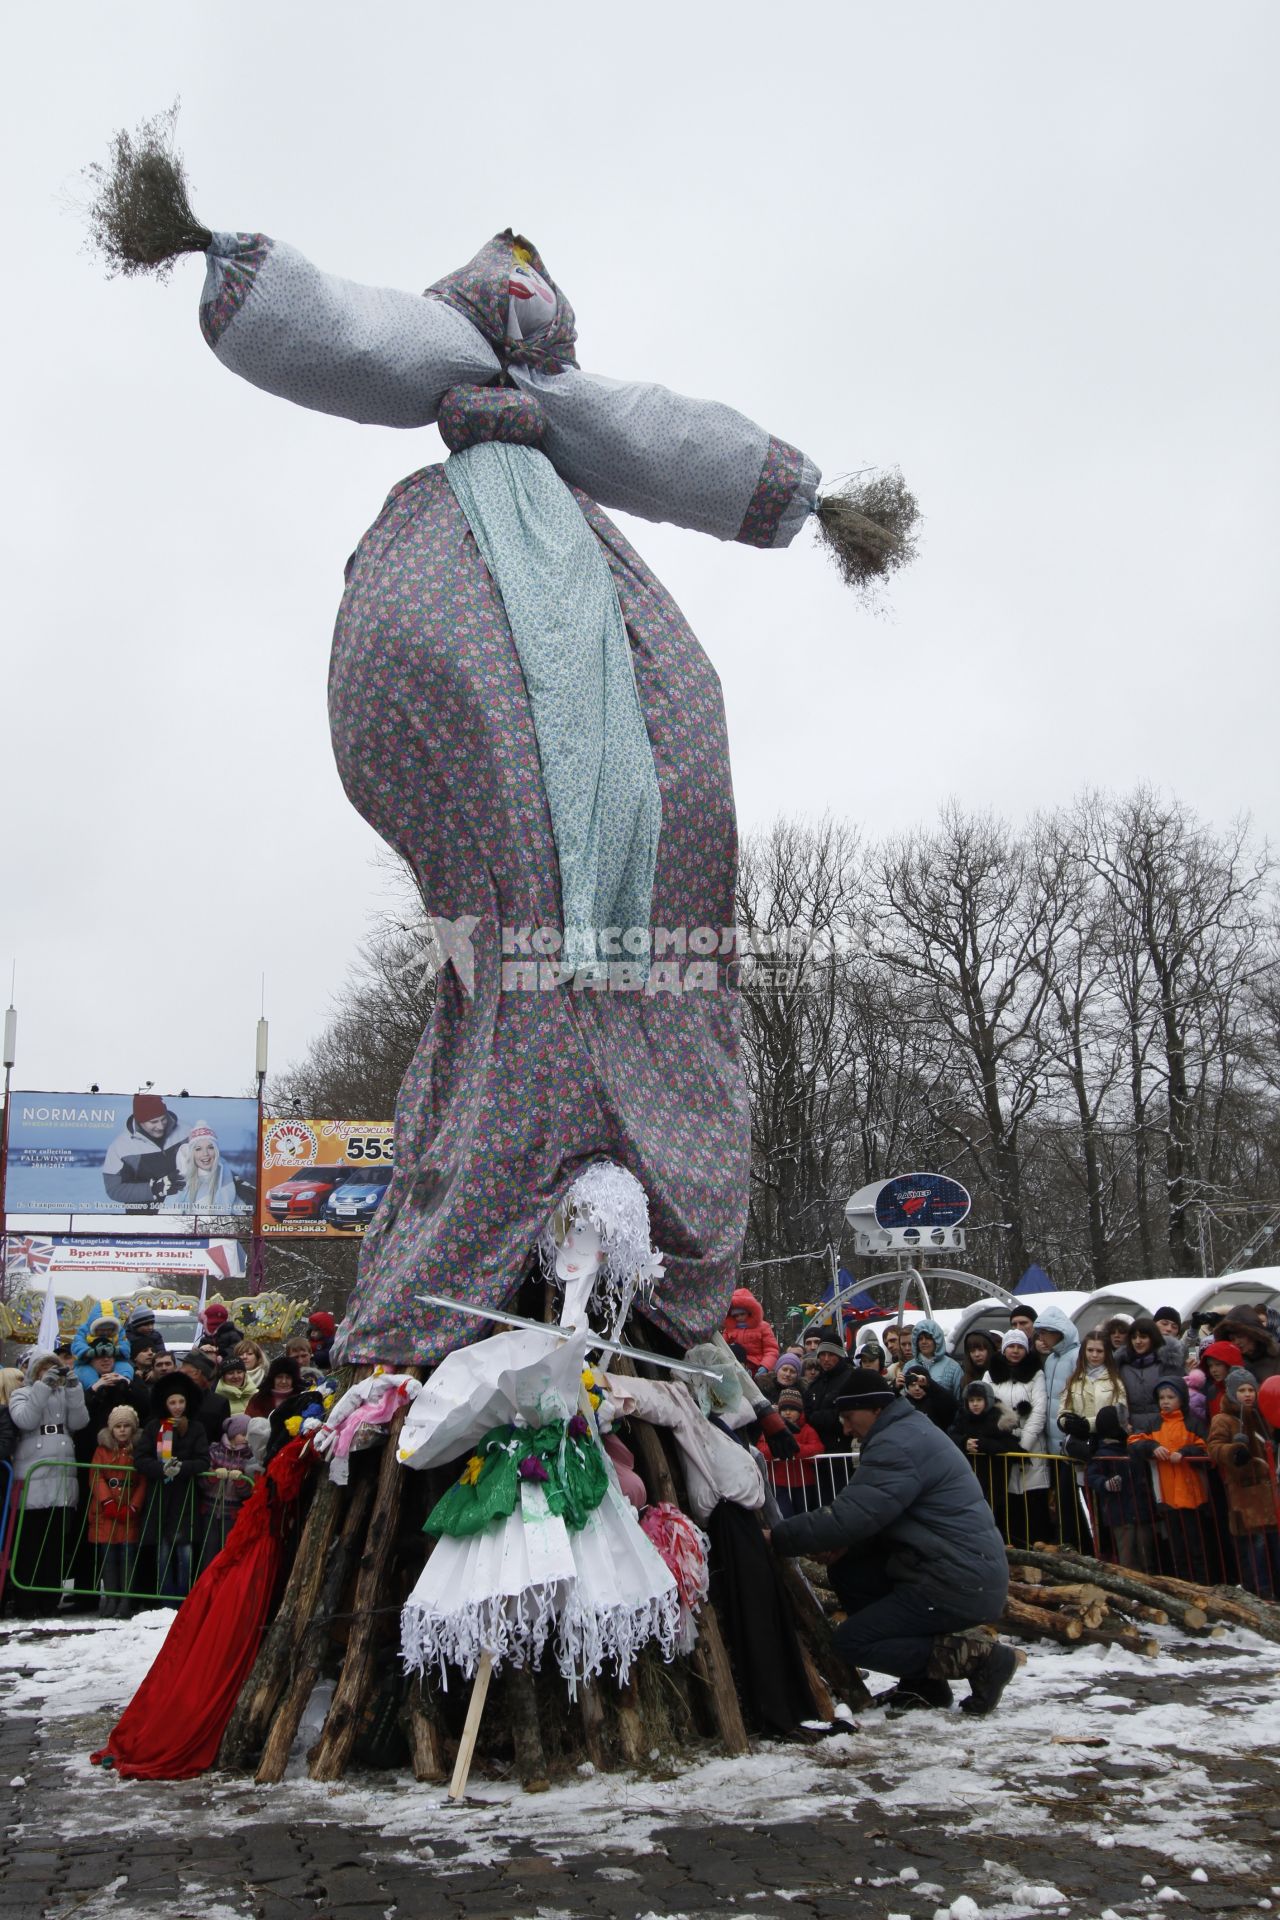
x: 918, y: 1556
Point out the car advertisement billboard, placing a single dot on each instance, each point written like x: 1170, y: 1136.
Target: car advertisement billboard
x: 323, y: 1177
x: 132, y: 1154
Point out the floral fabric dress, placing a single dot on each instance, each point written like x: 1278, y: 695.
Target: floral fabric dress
x: 525, y: 1076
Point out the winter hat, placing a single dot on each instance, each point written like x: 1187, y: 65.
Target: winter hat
x: 202, y: 1363
x: 141, y: 1317
x: 831, y: 1346
x: 865, y: 1390
x: 791, y: 1361
x: 148, y: 1106
x: 171, y: 1383
x: 215, y: 1315
x: 1196, y: 1380
x: 235, y: 1426
x: 1108, y: 1424
x: 1224, y: 1350
x: 1178, y: 1385
x: 983, y: 1387
x: 1016, y: 1338
x: 871, y: 1349
x: 324, y: 1324
x: 916, y: 1367
x: 1167, y: 1313
x: 1237, y: 1378
x: 790, y: 1398
x: 259, y: 1434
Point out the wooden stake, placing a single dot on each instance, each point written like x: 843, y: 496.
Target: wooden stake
x: 333, y: 1749
x: 310, y: 1656
x: 470, y: 1732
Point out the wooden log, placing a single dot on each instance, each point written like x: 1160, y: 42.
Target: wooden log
x: 813, y: 1630
x: 333, y: 1749
x: 424, y: 1730
x: 1038, y: 1623
x: 252, y: 1715
x: 1232, y: 1604
x: 591, y: 1707
x: 521, y: 1706
x: 1078, y: 1594
x: 1125, y: 1584
x: 309, y: 1658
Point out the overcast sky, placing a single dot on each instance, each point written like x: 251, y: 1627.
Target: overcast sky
x: 1026, y: 252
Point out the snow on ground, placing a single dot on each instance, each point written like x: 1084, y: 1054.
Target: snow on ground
x: 1015, y: 1773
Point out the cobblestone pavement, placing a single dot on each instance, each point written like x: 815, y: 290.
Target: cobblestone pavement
x: 77, y: 1846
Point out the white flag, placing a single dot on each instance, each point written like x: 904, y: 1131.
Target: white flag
x: 47, y: 1338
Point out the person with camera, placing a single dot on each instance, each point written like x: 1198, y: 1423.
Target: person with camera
x: 48, y: 1410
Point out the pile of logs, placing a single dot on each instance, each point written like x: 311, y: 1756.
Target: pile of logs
x: 1070, y: 1598
x: 1059, y: 1595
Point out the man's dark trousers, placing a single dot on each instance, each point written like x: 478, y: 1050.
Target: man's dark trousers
x: 891, y: 1626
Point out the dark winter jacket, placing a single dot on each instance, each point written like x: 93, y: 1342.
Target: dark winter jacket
x: 993, y: 1429
x: 1140, y: 1374
x: 101, y: 1402
x: 170, y: 1512
x: 914, y: 1494
x: 1132, y: 1503
x: 996, y: 1368
x: 938, y: 1404
x: 8, y: 1435
x: 819, y: 1405
x: 1261, y: 1349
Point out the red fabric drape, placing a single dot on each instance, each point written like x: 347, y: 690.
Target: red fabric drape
x: 173, y: 1725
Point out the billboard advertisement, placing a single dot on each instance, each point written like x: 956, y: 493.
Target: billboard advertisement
x: 323, y: 1177
x: 132, y: 1153
x: 30, y: 1259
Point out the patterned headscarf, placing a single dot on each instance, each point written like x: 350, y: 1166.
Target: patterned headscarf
x: 502, y: 275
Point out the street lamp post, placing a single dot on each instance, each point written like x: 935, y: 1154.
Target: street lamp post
x: 10, y: 1056
x: 257, y: 1255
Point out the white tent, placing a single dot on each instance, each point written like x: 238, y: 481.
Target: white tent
x: 1258, y: 1286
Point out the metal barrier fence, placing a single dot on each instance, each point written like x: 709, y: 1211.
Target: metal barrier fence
x: 115, y: 1535
x: 1046, y: 1499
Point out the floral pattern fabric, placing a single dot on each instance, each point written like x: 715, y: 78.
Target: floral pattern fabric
x: 519, y: 1083
x: 240, y: 265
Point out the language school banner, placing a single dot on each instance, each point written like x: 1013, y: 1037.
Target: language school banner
x: 131, y: 1153
x: 323, y: 1177
x: 32, y: 1257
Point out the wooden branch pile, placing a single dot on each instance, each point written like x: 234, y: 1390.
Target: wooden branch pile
x: 1058, y: 1595
x: 360, y: 1551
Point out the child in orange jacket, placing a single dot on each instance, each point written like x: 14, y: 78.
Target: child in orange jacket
x: 795, y: 1481
x: 117, y: 1494
x: 1179, y: 1459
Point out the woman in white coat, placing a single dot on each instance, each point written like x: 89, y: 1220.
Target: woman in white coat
x: 47, y: 1410
x: 1023, y: 1400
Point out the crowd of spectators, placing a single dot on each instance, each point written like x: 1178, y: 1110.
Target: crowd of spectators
x: 1142, y: 1441
x: 130, y: 1463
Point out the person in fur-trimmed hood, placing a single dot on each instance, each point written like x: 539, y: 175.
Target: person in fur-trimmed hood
x: 745, y: 1326
x: 983, y: 1430
x: 1252, y: 1330
x: 929, y: 1344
